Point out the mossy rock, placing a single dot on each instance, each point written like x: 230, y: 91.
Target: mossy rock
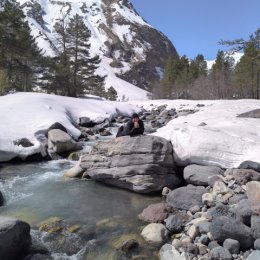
x: 74, y: 156
x: 52, y: 225
x: 107, y: 223
x: 119, y: 240
x: 74, y: 228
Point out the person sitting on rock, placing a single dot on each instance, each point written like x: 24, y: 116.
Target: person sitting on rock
x: 134, y: 127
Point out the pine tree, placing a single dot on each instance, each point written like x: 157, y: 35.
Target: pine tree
x: 112, y: 94
x: 19, y: 54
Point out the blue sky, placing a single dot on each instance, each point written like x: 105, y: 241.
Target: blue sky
x: 196, y: 26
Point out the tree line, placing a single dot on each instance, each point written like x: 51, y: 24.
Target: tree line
x: 190, y: 79
x: 24, y: 67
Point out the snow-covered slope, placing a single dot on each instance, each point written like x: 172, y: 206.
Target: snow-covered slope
x: 26, y: 115
x: 129, y: 47
x: 236, y: 56
x: 213, y: 135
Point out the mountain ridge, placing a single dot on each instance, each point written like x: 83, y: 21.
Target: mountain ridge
x: 131, y: 50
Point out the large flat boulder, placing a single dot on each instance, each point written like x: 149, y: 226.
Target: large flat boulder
x: 15, y: 237
x: 142, y: 164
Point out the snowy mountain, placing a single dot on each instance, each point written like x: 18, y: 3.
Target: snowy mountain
x: 236, y: 56
x: 131, y: 50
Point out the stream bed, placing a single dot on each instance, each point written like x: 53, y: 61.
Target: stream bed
x: 95, y: 219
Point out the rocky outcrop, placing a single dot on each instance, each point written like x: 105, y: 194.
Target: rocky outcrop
x: 15, y: 238
x: 142, y: 164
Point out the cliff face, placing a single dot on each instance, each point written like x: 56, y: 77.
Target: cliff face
x: 130, y: 48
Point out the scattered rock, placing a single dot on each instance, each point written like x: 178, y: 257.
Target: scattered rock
x: 186, y: 197
x: 253, y: 194
x: 168, y: 252
x: 243, y: 176
x: 220, y: 188
x: 24, y: 142
x: 255, y: 226
x: 233, y: 246
x: 198, y: 175
x: 218, y: 253
x: 155, y: 234
x: 255, y: 255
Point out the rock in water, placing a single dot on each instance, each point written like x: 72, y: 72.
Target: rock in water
x: 142, y: 164
x: 15, y: 237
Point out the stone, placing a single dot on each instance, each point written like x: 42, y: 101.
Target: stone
x: 198, y: 175
x: 233, y: 246
x: 213, y: 244
x: 75, y: 172
x: 174, y: 223
x: 192, y: 232
x: 1, y: 199
x: 220, y: 188
x: 38, y: 257
x: 250, y: 165
x: 242, y: 211
x: 219, y: 210
x: 168, y: 252
x: 204, y: 240
x: 257, y: 244
x: 204, y: 227
x: 60, y: 142
x: 155, y: 234
x: 255, y: 255
x: 236, y: 198
x: 186, y: 197
x: 218, y: 253
x: 189, y: 247
x: 165, y: 191
x: 194, y: 209
x: 222, y: 228
x: 203, y: 249
x: 24, y: 142
x: 143, y: 164
x: 208, y: 199
x: 57, y: 126
x: 243, y: 176
x: 128, y: 245
x: 156, y: 213
x: 250, y: 114
x: 255, y: 226
x: 15, y: 237
x: 86, y: 122
x: 253, y: 194
x: 214, y: 178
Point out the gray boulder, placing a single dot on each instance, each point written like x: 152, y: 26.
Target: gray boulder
x: 242, y: 211
x: 174, y: 223
x: 60, y: 142
x: 253, y: 194
x: 220, y: 253
x: 233, y: 246
x: 168, y: 252
x: 198, y: 175
x: 15, y: 237
x: 255, y: 255
x: 186, y: 197
x: 255, y: 226
x: 251, y: 114
x: 142, y: 164
x: 222, y: 228
x: 243, y: 176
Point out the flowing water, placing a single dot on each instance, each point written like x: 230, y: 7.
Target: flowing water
x: 102, y: 216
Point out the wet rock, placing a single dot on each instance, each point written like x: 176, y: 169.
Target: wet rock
x: 156, y: 213
x: 128, y: 245
x: 155, y: 234
x: 233, y: 246
x: 143, y: 164
x: 38, y: 257
x: 186, y: 197
x: 222, y: 228
x: 15, y: 238
x: 52, y: 225
x: 198, y: 175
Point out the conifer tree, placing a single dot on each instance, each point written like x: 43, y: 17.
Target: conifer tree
x: 112, y: 94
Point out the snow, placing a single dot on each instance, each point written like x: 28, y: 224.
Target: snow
x: 235, y: 55
x: 224, y: 141
x: 26, y: 115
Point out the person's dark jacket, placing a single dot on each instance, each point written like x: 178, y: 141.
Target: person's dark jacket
x: 129, y: 129
x: 132, y: 131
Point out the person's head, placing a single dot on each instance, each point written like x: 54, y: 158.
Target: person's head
x: 135, y: 117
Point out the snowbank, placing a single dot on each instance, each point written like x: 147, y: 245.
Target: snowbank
x: 26, y: 115
x: 213, y: 135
